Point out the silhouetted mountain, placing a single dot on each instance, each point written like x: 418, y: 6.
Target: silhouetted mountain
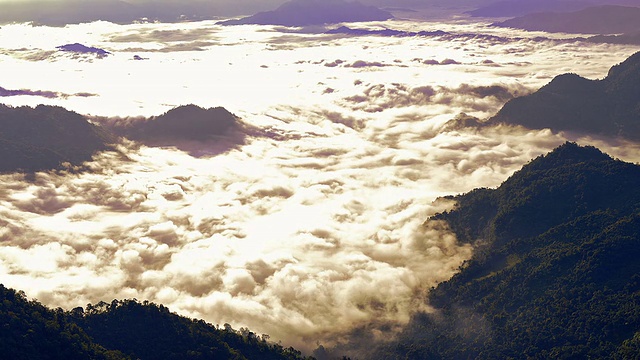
x: 198, y: 131
x: 630, y: 39
x: 46, y: 137
x: 462, y: 121
x: 384, y: 32
x: 25, y: 92
x: 441, y: 35
x: 511, y: 8
x: 609, y: 107
x: 30, y: 331
x: 188, y: 122
x: 82, y: 49
x: 314, y: 12
x: 555, y: 271
x: 607, y: 19
x: 150, y: 331
x: 121, y: 330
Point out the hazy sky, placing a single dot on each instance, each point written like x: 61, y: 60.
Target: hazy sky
x: 60, y: 12
x: 230, y: 7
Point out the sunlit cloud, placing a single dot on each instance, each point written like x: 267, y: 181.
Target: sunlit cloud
x: 312, y: 225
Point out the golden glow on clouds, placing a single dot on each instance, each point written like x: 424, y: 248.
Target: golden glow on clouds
x: 306, y: 236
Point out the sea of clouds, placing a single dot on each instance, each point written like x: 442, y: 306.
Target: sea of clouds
x: 306, y: 234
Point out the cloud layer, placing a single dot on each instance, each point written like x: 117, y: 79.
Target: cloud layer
x: 314, y: 226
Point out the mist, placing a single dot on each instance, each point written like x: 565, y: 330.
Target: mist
x: 311, y: 227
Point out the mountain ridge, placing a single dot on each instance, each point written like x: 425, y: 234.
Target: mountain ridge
x: 314, y: 12
x: 54, y: 138
x: 47, y: 137
x: 604, y: 20
x: 122, y: 330
x: 554, y: 273
x: 607, y: 107
x: 185, y: 122
x: 519, y: 8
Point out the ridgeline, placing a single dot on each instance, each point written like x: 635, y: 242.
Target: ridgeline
x: 555, y: 273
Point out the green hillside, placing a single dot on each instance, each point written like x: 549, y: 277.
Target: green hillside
x: 555, y: 273
x: 121, y: 330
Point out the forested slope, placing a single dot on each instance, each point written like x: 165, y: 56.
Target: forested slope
x: 119, y: 330
x: 555, y: 273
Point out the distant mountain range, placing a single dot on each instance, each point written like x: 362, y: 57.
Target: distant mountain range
x: 345, y: 30
x: 631, y: 39
x: 607, y: 19
x: 188, y: 122
x: 555, y: 271
x: 512, y: 8
x: 47, y: 137
x: 314, y: 12
x: 609, y: 107
x: 51, y: 137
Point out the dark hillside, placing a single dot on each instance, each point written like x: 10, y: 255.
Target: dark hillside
x: 605, y: 19
x: 509, y: 8
x: 555, y: 274
x: 609, y: 107
x: 150, y: 331
x: 45, y: 137
x: 30, y: 331
x: 121, y: 330
x: 188, y: 122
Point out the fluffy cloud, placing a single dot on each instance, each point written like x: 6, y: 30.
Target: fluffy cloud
x: 483, y: 98
x: 165, y: 36
x: 311, y: 228
x: 304, y: 238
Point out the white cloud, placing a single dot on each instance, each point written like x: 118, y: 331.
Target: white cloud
x: 305, y: 234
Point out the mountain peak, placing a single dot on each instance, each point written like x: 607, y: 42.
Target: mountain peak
x: 45, y: 137
x: 569, y: 82
x: 568, y: 153
x: 185, y: 122
x: 632, y: 62
x: 550, y: 243
x: 567, y: 182
x: 608, y: 107
x: 625, y: 74
x: 192, y: 122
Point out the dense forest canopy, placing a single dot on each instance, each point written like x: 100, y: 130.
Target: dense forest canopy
x: 124, y: 329
x: 555, y: 274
